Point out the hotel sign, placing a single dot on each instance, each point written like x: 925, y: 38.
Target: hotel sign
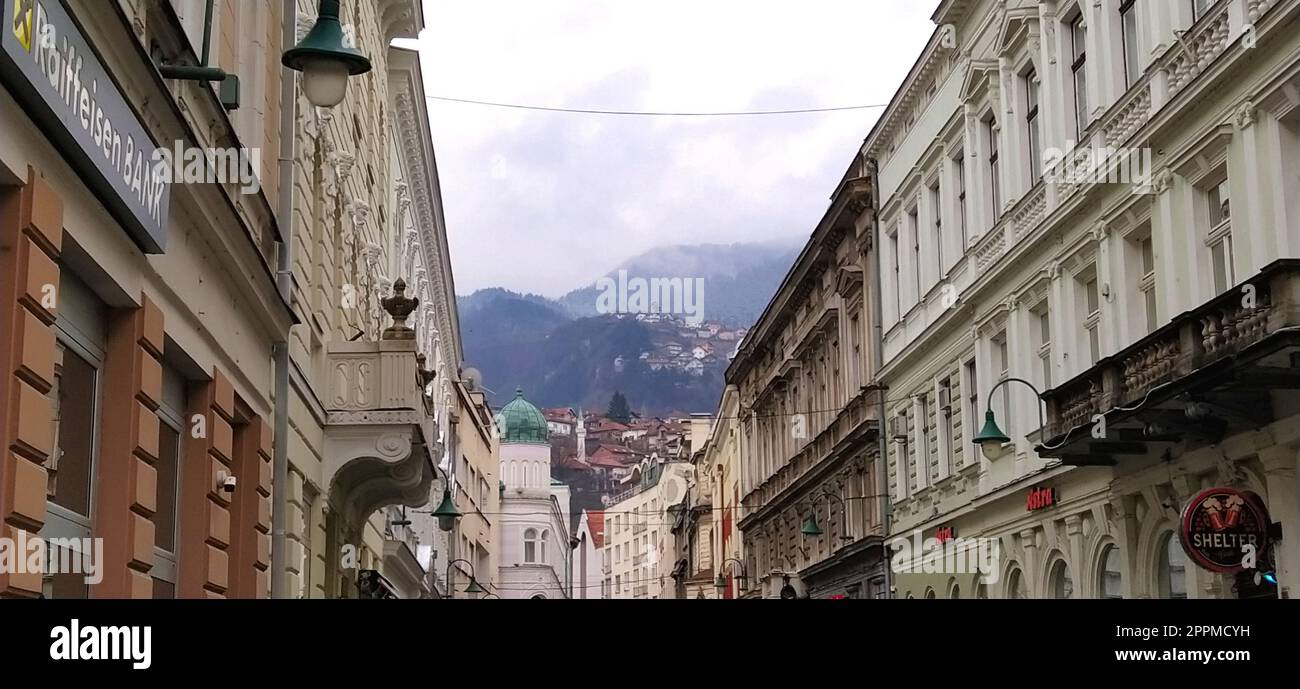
x: 1222, y: 526
x: 49, y: 67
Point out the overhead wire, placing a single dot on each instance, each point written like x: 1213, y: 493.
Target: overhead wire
x: 655, y: 113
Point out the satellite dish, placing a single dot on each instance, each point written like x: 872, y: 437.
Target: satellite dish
x: 674, y: 489
x: 604, y: 500
x: 473, y: 378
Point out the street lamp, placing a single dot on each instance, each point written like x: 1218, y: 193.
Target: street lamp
x: 991, y: 438
x: 720, y: 583
x: 811, y: 528
x: 473, y: 579
x: 326, y: 58
x: 447, y: 513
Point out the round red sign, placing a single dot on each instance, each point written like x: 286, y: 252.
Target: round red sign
x: 1222, y: 526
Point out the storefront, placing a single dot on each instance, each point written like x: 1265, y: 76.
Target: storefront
x: 138, y: 321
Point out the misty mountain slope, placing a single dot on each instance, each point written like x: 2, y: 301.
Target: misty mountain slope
x: 565, y: 354
x: 739, y: 279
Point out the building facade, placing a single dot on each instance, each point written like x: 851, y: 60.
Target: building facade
x: 1088, y: 200
x: 371, y: 390
x: 808, y: 420
x: 128, y: 416
x: 639, y: 541
x: 536, y: 559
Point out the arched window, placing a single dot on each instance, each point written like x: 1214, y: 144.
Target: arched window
x: 539, y: 597
x: 929, y: 594
x: 530, y: 545
x: 546, y: 536
x: 982, y: 591
x: 1171, y: 572
x: 1112, y: 577
x: 955, y: 591
x: 1060, y: 584
x: 1016, y: 585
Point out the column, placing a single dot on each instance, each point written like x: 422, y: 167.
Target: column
x: 31, y: 236
x: 1280, y: 478
x: 205, y: 518
x: 250, y: 514
x: 126, y: 490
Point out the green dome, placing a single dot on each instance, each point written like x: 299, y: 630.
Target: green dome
x: 521, y: 422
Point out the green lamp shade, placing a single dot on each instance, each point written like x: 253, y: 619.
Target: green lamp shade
x: 325, y: 42
x: 474, y: 587
x: 720, y: 583
x: 991, y: 433
x: 446, y: 513
x: 810, y: 527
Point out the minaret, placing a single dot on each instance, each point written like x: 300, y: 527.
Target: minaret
x: 582, y: 437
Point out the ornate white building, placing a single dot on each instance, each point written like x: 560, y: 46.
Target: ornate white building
x: 536, y: 552
x: 1154, y: 305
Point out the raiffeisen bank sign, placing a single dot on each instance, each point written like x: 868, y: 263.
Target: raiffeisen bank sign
x: 48, y: 65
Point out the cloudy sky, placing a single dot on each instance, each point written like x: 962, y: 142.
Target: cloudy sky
x: 546, y: 202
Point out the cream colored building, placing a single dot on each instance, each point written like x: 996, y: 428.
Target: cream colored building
x: 808, y: 427
x: 639, y: 541
x: 370, y: 411
x: 1124, y: 300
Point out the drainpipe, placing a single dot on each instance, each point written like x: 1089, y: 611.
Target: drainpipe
x: 284, y: 282
x: 877, y: 361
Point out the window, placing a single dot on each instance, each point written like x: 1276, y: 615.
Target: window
x: 1171, y: 572
x: 1062, y: 586
x: 71, y: 467
x: 898, y: 277
x: 1147, y: 283
x: 1032, y: 125
x: 1043, y: 337
x: 904, y: 463
x: 970, y: 421
x: 530, y: 546
x: 1078, y: 43
x: 855, y: 342
x: 541, y: 550
x: 1199, y: 7
x: 1002, y: 364
x: 936, y: 230
x: 1219, y: 239
x: 1129, y: 28
x: 959, y: 170
x: 923, y: 440
x: 168, y: 474
x: 955, y: 593
x: 914, y: 227
x: 1016, y: 585
x: 945, y: 427
x: 1112, y: 576
x: 995, y: 184
x: 1090, y: 307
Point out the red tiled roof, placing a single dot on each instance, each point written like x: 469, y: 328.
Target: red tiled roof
x: 606, y: 458
x: 596, y: 521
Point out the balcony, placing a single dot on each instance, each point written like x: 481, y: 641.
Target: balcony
x: 1204, y: 376
x: 380, y: 432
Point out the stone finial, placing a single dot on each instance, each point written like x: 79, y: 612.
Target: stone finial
x: 422, y: 372
x: 399, y: 306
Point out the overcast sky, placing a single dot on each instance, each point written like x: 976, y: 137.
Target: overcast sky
x: 546, y: 202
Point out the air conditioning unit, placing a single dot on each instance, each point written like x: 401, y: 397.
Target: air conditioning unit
x: 898, y: 428
x: 945, y: 398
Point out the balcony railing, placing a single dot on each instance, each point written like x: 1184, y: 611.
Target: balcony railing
x: 1200, y: 340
